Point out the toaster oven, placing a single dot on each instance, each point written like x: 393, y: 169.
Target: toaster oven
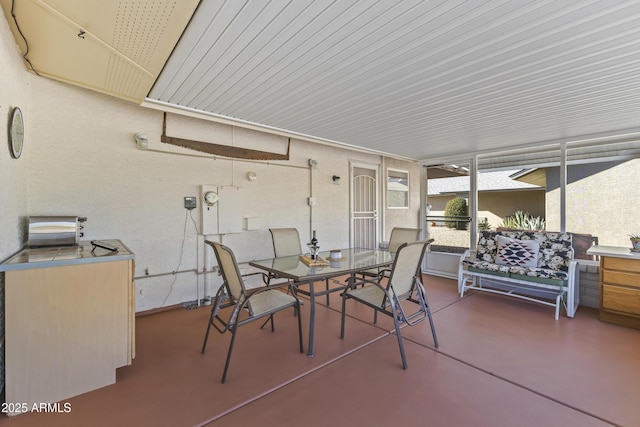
x: 54, y: 230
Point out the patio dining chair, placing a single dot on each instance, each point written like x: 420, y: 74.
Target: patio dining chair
x: 248, y: 304
x: 286, y: 242
x: 404, y: 285
x: 399, y: 235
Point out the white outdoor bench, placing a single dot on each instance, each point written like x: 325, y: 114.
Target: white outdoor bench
x: 536, y: 266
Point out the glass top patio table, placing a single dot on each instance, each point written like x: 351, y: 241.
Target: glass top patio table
x: 353, y: 261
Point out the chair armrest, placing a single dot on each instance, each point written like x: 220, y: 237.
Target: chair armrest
x: 253, y: 274
x: 265, y: 276
x: 467, y: 255
x: 241, y: 304
x: 259, y: 290
x: 363, y: 281
x: 573, y: 273
x: 351, y: 284
x: 383, y: 272
x: 573, y: 264
x: 573, y: 291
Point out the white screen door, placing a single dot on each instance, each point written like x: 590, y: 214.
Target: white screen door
x: 364, y: 206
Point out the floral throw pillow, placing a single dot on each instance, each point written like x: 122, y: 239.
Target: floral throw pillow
x: 513, y: 252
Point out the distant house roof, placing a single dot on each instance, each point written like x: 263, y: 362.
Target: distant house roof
x: 487, y: 181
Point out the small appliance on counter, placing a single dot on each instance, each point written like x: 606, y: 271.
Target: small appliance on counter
x: 55, y: 230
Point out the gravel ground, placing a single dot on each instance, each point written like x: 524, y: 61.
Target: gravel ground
x: 447, y: 237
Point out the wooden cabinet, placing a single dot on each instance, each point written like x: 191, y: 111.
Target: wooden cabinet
x: 620, y: 291
x: 68, y: 326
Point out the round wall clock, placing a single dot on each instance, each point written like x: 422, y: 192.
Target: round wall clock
x: 16, y: 133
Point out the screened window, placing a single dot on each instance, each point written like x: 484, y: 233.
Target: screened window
x: 448, y: 207
x: 397, y: 188
x: 600, y: 187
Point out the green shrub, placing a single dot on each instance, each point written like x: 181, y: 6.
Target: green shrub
x: 523, y: 221
x: 456, y: 207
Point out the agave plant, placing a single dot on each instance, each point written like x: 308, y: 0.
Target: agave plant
x: 536, y: 223
x: 484, y: 225
x: 523, y: 221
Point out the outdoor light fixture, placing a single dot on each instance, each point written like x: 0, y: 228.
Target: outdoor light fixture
x: 142, y: 141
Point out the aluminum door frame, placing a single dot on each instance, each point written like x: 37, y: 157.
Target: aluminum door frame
x: 364, y: 206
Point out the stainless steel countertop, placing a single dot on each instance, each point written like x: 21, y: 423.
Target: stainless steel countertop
x: 52, y: 256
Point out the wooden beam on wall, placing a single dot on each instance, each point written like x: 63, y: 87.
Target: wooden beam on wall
x: 221, y: 150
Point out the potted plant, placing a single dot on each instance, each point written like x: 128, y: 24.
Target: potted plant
x: 635, y: 242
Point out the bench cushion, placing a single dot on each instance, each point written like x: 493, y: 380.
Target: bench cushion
x: 556, y: 251
x: 517, y: 252
x: 533, y: 274
x: 487, y: 247
x: 541, y: 275
x: 555, y: 248
x: 488, y: 267
x: 554, y: 256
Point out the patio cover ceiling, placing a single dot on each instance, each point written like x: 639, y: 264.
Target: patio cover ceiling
x: 414, y: 79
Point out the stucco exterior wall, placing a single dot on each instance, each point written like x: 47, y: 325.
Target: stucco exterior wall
x: 602, y: 200
x: 14, y: 87
x: 84, y: 161
x: 80, y: 158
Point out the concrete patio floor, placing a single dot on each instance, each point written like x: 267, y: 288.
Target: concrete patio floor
x: 501, y: 362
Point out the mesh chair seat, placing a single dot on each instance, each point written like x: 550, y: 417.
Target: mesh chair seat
x: 258, y: 302
x: 270, y: 301
x: 370, y: 294
x: 403, y: 284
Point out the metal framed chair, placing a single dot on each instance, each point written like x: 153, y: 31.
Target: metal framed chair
x: 404, y: 284
x: 399, y: 235
x: 286, y: 242
x: 248, y: 304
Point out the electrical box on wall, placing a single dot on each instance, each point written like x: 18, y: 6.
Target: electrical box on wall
x: 190, y: 202
x: 251, y: 223
x: 230, y: 210
x: 209, y: 210
x: 221, y: 209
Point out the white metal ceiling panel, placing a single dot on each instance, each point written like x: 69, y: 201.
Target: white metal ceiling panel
x: 413, y: 78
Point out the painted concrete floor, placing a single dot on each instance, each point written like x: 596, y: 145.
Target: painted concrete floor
x: 501, y: 362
